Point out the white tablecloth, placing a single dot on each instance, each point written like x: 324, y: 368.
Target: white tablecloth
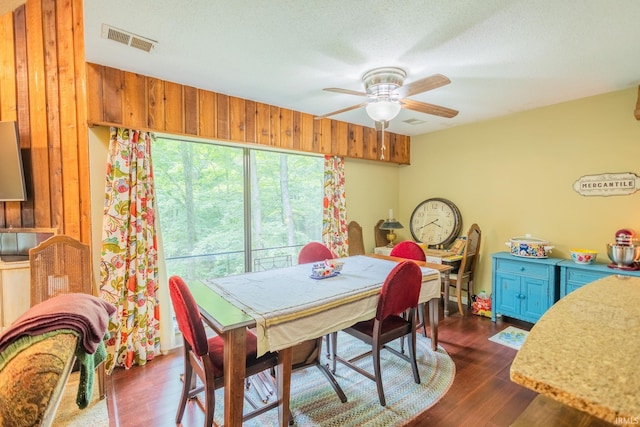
x: 290, y: 307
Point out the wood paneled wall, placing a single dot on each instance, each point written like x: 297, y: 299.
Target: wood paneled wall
x: 42, y: 86
x: 125, y: 99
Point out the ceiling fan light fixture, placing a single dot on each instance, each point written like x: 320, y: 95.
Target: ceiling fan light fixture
x: 383, y: 110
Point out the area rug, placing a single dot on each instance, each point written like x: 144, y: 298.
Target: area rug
x: 315, y: 403
x: 69, y: 415
x: 511, y: 337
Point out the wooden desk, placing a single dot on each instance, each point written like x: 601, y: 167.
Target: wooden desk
x: 583, y: 352
x: 318, y: 316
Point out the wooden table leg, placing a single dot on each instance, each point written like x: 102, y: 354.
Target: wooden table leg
x: 434, y: 304
x: 446, y: 285
x: 234, y: 374
x: 285, y: 358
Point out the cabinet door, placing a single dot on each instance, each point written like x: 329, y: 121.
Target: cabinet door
x: 535, y: 297
x: 507, y: 294
x: 16, y: 293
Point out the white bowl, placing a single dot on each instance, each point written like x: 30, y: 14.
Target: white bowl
x: 583, y: 256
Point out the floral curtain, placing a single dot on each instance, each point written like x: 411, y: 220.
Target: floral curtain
x: 129, y: 273
x: 334, y: 213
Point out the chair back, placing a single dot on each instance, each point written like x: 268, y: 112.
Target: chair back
x: 356, y: 241
x: 313, y: 252
x: 409, y: 250
x: 471, y: 252
x: 188, y: 316
x: 400, y: 290
x: 60, y: 265
x: 380, y: 235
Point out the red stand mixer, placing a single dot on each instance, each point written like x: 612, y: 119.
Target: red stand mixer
x: 625, y: 253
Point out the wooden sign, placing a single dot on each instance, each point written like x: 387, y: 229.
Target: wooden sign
x: 607, y: 184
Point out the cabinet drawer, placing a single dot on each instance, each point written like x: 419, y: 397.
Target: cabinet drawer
x: 583, y: 276
x: 522, y: 268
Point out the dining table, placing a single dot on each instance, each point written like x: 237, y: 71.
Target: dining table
x: 286, y: 306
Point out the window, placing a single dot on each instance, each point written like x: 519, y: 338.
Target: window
x: 226, y: 210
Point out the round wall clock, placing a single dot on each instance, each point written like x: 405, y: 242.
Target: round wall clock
x: 436, y: 222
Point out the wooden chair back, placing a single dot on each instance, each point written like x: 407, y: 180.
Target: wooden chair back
x: 356, y: 241
x: 379, y: 235
x: 60, y: 265
x: 471, y: 253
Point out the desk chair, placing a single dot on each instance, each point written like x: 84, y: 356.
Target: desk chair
x: 463, y: 278
x: 205, y: 356
x: 62, y: 265
x: 399, y: 294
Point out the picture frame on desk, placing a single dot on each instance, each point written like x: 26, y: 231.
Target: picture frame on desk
x: 458, y: 245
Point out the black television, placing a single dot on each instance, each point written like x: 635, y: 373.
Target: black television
x: 12, y: 186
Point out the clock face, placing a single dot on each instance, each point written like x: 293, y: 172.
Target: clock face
x: 435, y: 221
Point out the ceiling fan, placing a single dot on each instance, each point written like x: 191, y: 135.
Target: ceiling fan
x: 387, y: 96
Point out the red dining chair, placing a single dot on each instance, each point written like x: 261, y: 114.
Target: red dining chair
x: 398, y: 295
x: 411, y: 250
x: 204, y: 355
x: 314, y: 252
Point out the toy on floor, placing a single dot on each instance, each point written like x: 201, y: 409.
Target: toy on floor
x: 481, y: 305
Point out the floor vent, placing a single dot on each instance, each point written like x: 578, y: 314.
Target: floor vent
x: 127, y: 38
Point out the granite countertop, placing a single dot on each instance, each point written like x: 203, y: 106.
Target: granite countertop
x: 585, y: 350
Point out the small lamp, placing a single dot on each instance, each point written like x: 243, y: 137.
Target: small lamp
x: 390, y: 225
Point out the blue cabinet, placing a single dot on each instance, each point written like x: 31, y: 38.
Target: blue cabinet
x: 523, y: 288
x: 573, y: 275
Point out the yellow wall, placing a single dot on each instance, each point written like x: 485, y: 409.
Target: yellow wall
x: 371, y: 190
x: 514, y: 175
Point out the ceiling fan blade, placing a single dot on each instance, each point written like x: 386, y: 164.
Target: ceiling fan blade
x: 347, y: 91
x: 423, y: 107
x: 344, y: 110
x: 423, y: 85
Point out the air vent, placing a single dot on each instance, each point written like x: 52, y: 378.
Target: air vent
x: 414, y: 122
x: 125, y: 37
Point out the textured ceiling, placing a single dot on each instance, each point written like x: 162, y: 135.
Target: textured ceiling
x: 502, y: 56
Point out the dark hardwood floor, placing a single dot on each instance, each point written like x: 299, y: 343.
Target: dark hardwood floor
x: 481, y: 395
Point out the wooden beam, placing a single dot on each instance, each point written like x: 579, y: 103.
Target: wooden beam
x: 192, y: 111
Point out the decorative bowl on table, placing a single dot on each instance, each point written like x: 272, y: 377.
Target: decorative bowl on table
x: 335, y: 264
x: 583, y: 256
x: 321, y: 270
